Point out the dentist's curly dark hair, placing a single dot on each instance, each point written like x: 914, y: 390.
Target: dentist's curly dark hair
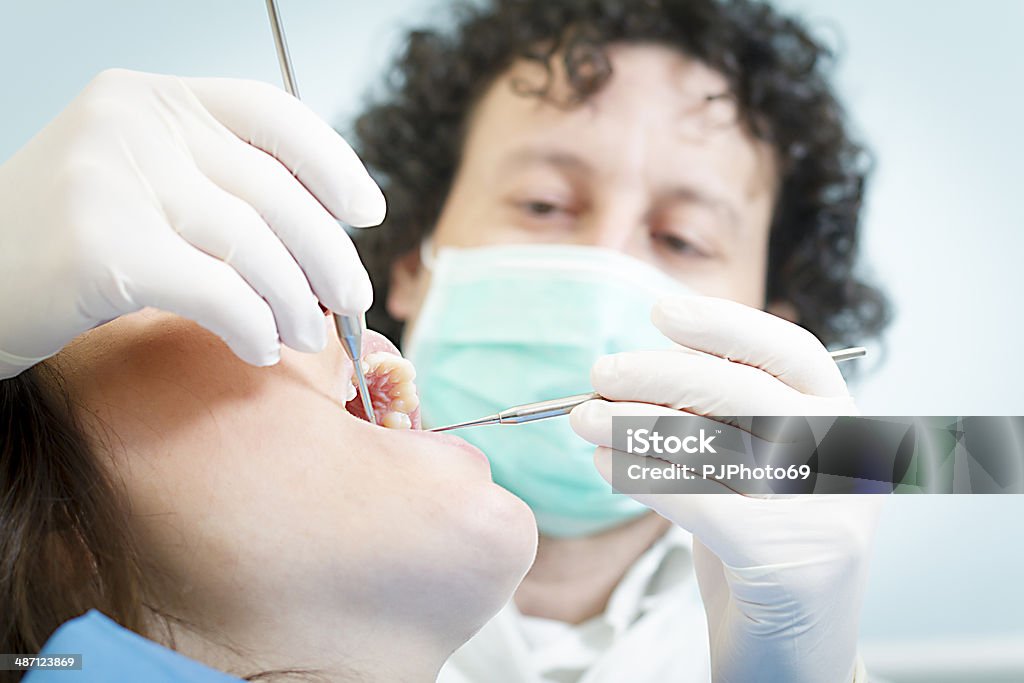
x: 777, y: 72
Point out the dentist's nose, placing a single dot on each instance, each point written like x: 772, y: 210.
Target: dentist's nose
x: 617, y: 225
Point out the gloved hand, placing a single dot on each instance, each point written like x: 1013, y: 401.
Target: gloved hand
x: 781, y: 579
x: 214, y: 199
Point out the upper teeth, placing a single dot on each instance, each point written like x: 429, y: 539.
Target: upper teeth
x: 398, y: 368
x: 395, y: 375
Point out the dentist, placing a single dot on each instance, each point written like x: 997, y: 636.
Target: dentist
x: 659, y: 201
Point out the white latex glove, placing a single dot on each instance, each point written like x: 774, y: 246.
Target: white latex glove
x: 214, y: 199
x: 781, y: 579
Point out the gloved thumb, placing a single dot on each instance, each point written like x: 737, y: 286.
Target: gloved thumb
x: 682, y: 502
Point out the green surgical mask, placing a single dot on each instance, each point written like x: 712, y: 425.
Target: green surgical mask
x: 514, y: 324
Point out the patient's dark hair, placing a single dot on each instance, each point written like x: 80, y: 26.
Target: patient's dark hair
x: 778, y: 73
x: 65, y: 543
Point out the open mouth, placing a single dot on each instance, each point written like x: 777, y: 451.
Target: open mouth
x: 389, y: 377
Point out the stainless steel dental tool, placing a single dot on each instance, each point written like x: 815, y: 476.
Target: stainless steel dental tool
x: 542, y: 410
x: 350, y: 327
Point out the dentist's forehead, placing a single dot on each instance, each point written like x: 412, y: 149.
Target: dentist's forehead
x: 649, y: 81
x: 642, y: 121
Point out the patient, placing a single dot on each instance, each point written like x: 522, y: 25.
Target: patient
x: 242, y: 515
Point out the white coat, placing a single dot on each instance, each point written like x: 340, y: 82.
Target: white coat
x: 653, y: 630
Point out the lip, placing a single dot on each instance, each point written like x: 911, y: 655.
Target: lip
x: 374, y: 341
x: 452, y: 440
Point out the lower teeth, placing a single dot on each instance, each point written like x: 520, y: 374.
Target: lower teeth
x: 396, y: 420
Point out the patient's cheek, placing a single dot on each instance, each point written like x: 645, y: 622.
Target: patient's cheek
x: 392, y: 391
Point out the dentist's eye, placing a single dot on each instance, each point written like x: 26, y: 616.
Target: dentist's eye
x: 541, y: 208
x: 677, y: 245
x: 544, y: 211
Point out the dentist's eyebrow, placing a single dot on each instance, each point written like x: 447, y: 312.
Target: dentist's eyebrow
x: 694, y: 194
x: 531, y: 156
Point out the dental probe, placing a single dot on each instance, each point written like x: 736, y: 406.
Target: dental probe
x: 350, y: 327
x: 542, y: 410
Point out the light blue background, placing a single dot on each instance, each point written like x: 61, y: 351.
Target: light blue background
x: 935, y: 87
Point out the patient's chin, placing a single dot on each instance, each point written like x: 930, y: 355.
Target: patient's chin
x: 390, y: 380
x: 505, y: 525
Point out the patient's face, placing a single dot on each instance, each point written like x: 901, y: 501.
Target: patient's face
x: 257, y: 496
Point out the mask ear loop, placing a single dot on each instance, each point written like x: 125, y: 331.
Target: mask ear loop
x: 427, y: 258
x: 427, y: 261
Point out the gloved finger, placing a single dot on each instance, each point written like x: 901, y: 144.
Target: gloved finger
x: 224, y: 226
x: 663, y: 493
x: 183, y: 280
x: 704, y: 385
x: 321, y: 247
x: 705, y: 507
x: 696, y: 505
x: 746, y: 335
x: 286, y: 129
x: 593, y: 420
x: 711, y: 580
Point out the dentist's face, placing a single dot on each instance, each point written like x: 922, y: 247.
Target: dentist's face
x: 639, y: 167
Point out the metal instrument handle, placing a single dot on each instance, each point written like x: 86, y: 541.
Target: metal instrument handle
x: 542, y: 410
